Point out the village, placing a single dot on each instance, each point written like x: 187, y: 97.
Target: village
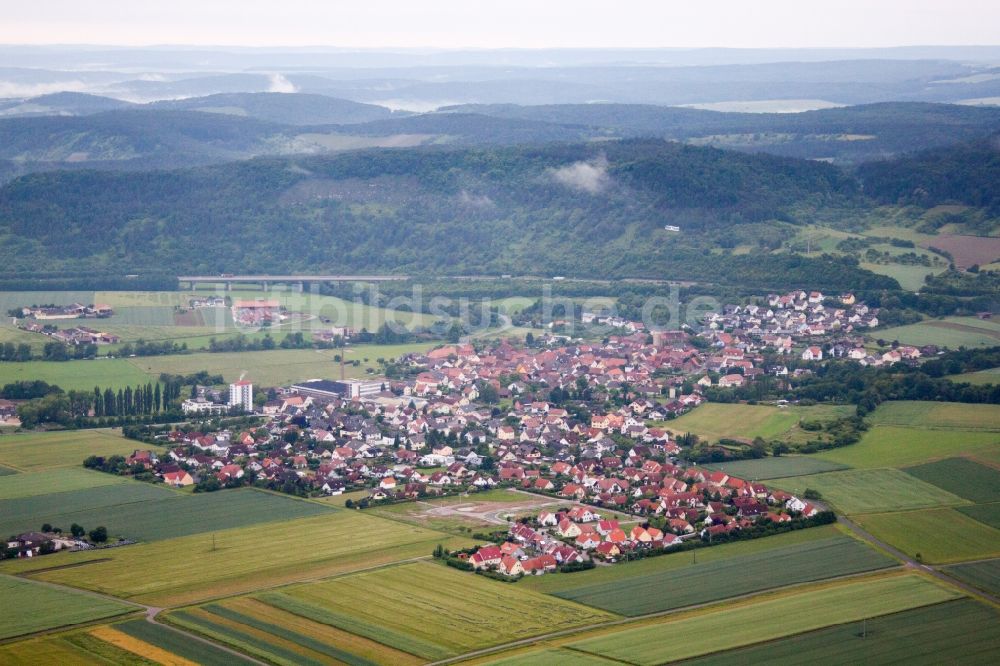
x: 582, y: 423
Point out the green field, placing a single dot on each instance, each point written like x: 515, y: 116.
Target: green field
x: 870, y: 490
x: 7, y: 471
x: 61, y: 480
x: 432, y: 611
x: 177, y: 643
x: 29, y: 607
x: 145, y: 512
x: 774, y: 468
x: 895, y: 446
x: 910, y: 277
x: 206, y: 566
x: 952, y: 332
x: 33, y: 452
x: 955, y: 632
x: 266, y: 368
x: 711, y: 581
x: 277, y: 367
x: 665, y: 565
x: 765, y: 620
x: 940, y: 536
x: 62, y: 509
x: 962, y: 477
x: 987, y: 514
x: 76, y: 375
x: 991, y: 376
x: 714, y: 421
x: 983, y: 575
x: 945, y: 415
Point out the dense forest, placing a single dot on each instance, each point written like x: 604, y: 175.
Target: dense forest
x: 573, y: 209
x: 967, y: 174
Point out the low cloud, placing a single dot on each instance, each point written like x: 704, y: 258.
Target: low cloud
x: 591, y: 177
x: 18, y: 90
x: 279, y: 84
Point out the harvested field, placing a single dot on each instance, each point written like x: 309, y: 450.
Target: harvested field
x: 967, y: 250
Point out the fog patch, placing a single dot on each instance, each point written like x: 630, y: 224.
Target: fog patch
x: 279, y: 84
x: 466, y: 198
x: 21, y: 90
x: 591, y: 177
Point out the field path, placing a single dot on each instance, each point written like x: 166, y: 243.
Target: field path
x: 150, y: 613
x: 153, y: 611
x: 913, y: 564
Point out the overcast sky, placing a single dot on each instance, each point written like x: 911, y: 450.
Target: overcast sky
x: 504, y: 23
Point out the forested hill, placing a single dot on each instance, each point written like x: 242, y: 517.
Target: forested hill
x: 967, y: 174
x: 849, y: 134
x: 595, y: 210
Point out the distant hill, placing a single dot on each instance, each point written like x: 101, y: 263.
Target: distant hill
x: 849, y: 134
x: 242, y: 126
x: 60, y: 104
x: 154, y: 138
x: 594, y: 210
x: 284, y: 108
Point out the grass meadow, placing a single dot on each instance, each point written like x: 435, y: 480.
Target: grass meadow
x: 736, y: 625
x: 714, y: 421
x: 721, y: 579
x: 29, y: 607
x: 871, y: 490
x: 31, y: 452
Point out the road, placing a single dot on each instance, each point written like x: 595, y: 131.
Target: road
x: 913, y: 564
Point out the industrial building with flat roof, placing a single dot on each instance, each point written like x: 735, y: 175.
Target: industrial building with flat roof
x: 341, y: 388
